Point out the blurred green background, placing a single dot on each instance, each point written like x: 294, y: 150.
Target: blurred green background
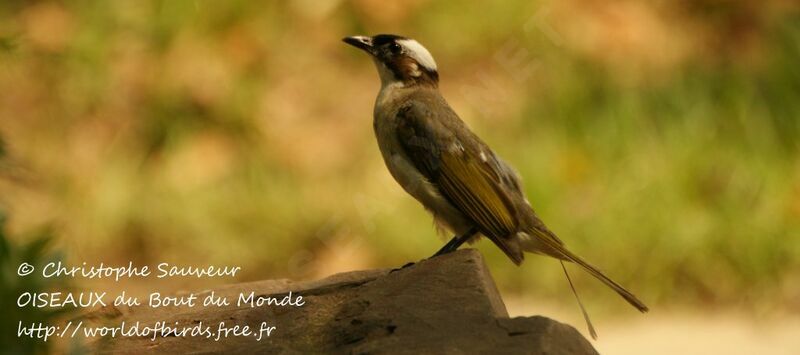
x: 659, y: 139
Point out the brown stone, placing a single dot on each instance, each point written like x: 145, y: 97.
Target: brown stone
x: 445, y: 305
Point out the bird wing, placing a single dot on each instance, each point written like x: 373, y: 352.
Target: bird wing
x: 480, y: 185
x: 463, y: 168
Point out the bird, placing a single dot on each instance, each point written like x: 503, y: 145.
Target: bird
x: 455, y: 175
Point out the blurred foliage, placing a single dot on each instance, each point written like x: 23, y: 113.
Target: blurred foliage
x: 658, y: 139
x: 35, y: 252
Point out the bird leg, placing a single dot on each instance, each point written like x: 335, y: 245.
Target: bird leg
x: 451, y: 246
x: 456, y: 242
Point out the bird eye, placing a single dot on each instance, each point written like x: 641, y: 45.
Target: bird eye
x: 395, y: 48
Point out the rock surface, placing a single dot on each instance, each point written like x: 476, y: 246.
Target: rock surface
x: 446, y: 305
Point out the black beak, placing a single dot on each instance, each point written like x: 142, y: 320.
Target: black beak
x: 361, y: 42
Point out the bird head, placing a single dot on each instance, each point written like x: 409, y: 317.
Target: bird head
x: 398, y: 59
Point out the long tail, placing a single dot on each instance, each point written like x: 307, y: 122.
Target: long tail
x: 627, y: 295
x: 545, y: 242
x: 583, y: 310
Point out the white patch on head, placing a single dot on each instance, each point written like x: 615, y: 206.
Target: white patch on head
x: 419, y: 53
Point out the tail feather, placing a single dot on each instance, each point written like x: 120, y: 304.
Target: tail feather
x: 580, y: 304
x: 543, y: 241
x: 627, y: 295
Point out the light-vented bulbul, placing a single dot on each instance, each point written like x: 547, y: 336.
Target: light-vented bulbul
x: 435, y: 157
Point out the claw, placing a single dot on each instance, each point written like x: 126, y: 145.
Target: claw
x: 402, y: 267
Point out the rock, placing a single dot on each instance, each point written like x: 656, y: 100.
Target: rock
x: 445, y: 305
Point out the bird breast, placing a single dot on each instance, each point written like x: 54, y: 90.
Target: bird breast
x: 403, y: 170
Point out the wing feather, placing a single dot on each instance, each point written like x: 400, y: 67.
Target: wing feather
x: 453, y: 159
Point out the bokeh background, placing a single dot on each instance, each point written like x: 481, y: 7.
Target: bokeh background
x: 659, y: 139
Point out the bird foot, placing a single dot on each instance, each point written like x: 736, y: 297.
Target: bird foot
x: 403, y: 267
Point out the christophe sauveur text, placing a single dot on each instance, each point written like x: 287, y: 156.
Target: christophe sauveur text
x: 92, y: 299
